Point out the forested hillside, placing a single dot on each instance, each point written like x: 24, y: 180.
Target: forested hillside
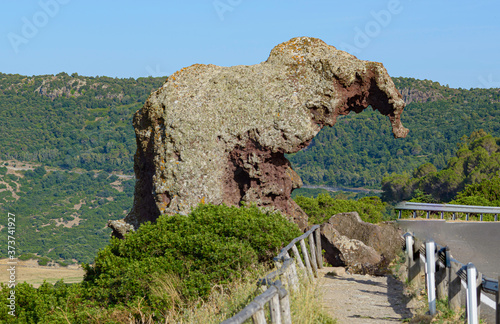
x: 476, y: 162
x: 71, y: 121
x: 80, y: 129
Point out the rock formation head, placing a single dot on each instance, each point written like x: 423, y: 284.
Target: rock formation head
x: 218, y: 135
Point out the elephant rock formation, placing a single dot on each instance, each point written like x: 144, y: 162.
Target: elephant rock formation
x: 217, y: 135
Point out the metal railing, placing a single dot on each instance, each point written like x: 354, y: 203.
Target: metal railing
x: 275, y: 294
x: 445, y: 277
x: 455, y: 210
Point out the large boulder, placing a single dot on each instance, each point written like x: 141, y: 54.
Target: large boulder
x: 384, y: 238
x: 341, y: 250
x: 217, y: 135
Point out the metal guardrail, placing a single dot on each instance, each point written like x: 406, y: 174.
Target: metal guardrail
x: 445, y: 277
x: 447, y: 208
x: 275, y: 294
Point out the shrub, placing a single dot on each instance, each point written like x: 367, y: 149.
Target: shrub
x: 43, y: 261
x: 320, y: 209
x: 212, y: 245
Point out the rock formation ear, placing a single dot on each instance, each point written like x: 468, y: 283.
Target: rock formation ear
x: 219, y: 135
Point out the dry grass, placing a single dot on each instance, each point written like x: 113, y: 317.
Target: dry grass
x: 29, y: 271
x: 223, y: 303
x: 307, y: 305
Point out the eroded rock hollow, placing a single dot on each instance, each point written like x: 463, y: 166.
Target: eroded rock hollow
x: 217, y: 135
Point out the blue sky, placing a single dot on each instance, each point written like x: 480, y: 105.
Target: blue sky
x: 452, y: 42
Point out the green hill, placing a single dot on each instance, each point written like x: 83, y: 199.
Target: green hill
x: 477, y: 161
x: 71, y: 121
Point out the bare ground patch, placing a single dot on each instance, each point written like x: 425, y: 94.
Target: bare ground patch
x: 361, y: 299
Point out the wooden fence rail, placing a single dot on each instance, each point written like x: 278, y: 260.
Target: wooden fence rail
x: 445, y: 277
x: 287, y: 276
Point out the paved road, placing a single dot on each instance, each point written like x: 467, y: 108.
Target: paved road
x: 476, y: 242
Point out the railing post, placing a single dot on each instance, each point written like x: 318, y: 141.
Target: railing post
x: 441, y: 278
x: 312, y: 248
x: 479, y: 286
x: 442, y: 215
x: 275, y: 310
x: 409, y: 256
x: 414, y: 214
x: 496, y: 217
x: 481, y: 218
x: 498, y: 302
x: 430, y: 271
x: 286, y: 317
x: 293, y: 279
x: 472, y: 315
x: 454, y: 287
x: 399, y: 214
x: 302, y: 267
x: 454, y: 216
x: 319, y: 251
x: 428, y: 213
x: 466, y: 216
x: 259, y: 317
x: 306, y: 259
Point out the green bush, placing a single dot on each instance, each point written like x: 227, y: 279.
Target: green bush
x: 320, y: 209
x: 27, y: 256
x: 43, y: 261
x: 177, y: 259
x: 210, y: 246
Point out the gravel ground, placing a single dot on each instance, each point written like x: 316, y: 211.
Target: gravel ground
x: 363, y: 299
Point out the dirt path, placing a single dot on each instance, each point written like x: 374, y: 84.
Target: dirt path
x: 363, y: 299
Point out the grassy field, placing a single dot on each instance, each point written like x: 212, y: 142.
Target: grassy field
x: 29, y: 271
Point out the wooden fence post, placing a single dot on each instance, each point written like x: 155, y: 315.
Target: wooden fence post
x: 293, y: 279
x: 302, y: 267
x: 319, y: 251
x: 306, y: 259
x: 275, y: 310
x: 286, y: 316
x: 259, y: 317
x: 312, y: 248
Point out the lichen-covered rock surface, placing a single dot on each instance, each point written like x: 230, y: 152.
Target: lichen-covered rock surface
x: 353, y: 254
x: 215, y: 134
x: 384, y: 238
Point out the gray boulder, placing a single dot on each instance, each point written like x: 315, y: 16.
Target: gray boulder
x: 351, y: 253
x: 384, y: 238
